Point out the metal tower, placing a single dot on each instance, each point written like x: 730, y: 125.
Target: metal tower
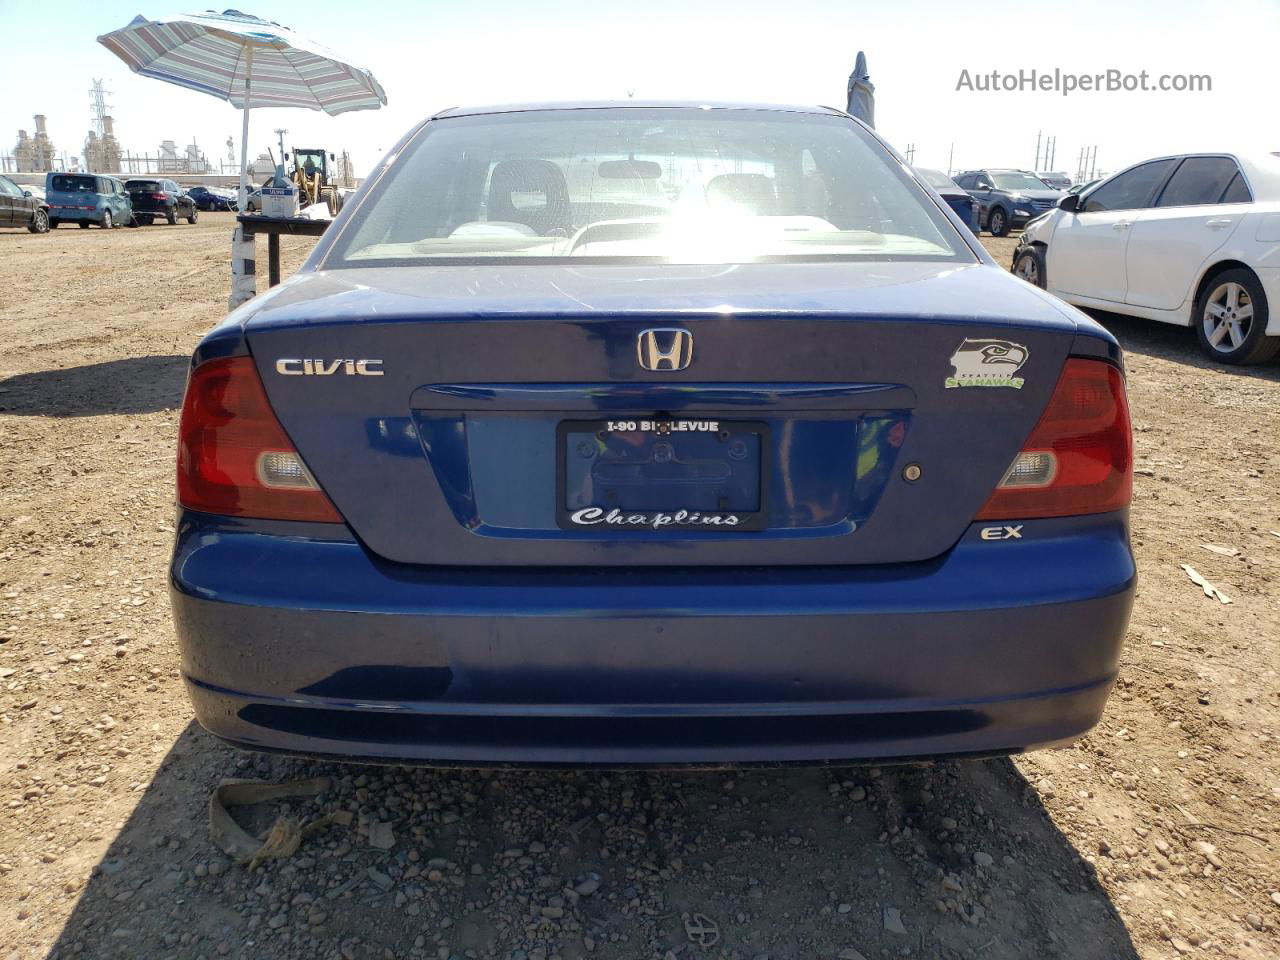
x: 99, y: 107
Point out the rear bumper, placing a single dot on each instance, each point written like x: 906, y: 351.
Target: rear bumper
x: 311, y: 646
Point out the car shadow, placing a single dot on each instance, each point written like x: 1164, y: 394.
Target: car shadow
x: 128, y: 385
x: 792, y: 862
x: 1168, y: 342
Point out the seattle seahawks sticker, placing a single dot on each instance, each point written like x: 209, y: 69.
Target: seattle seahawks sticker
x: 987, y: 363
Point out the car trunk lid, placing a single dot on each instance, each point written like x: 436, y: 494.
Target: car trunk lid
x: 463, y: 415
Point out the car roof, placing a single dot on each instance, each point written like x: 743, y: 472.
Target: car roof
x: 635, y: 105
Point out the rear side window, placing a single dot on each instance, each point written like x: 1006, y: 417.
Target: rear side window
x: 1131, y: 190
x: 1237, y: 191
x: 674, y: 184
x: 69, y: 184
x: 1199, y: 180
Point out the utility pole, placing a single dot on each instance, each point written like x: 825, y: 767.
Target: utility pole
x: 1037, y: 163
x: 1051, y: 153
x: 951, y: 159
x: 910, y: 154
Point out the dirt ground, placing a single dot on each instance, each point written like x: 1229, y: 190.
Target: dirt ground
x: 1155, y: 836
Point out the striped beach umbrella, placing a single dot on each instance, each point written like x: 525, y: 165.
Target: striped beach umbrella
x: 247, y: 61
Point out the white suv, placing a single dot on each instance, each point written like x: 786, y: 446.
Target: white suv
x: 1192, y: 239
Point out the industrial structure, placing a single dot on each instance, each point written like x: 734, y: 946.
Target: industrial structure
x: 34, y: 154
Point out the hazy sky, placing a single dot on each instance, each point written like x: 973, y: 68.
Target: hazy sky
x: 431, y: 55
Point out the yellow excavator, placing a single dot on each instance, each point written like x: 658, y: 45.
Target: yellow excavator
x: 313, y: 178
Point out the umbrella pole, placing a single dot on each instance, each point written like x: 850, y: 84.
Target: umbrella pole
x: 244, y: 131
x: 243, y: 264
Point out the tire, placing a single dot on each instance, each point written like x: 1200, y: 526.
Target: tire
x: 108, y: 221
x: 171, y: 216
x: 195, y: 214
x: 1231, y: 319
x: 40, y: 222
x: 1030, y: 266
x: 998, y: 222
x: 84, y: 224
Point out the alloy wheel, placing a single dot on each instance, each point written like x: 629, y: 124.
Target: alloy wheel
x: 1028, y: 269
x: 1228, y: 316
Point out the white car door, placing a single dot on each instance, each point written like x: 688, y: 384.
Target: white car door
x: 1197, y: 211
x: 1086, y: 255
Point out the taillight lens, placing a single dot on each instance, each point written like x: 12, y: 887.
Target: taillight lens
x: 159, y: 196
x: 1079, y: 457
x: 234, y: 458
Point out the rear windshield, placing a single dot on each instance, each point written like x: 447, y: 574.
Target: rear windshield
x: 937, y: 179
x: 143, y: 186
x: 76, y: 184
x: 678, y: 184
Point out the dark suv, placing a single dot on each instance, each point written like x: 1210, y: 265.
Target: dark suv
x: 160, y: 198
x: 1007, y: 198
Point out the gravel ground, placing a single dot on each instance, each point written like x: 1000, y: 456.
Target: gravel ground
x: 1156, y: 836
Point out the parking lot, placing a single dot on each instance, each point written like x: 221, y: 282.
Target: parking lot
x: 1156, y: 836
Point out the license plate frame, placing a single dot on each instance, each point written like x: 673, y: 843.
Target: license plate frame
x: 613, y: 519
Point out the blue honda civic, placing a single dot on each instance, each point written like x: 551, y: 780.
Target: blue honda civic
x: 654, y: 434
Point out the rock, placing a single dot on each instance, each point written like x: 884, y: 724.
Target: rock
x: 278, y: 921
x: 983, y: 859
x: 1275, y: 897
x: 317, y: 917
x: 848, y: 953
x: 844, y: 908
x: 553, y: 913
x: 949, y: 823
x: 949, y: 882
x: 380, y: 879
x: 587, y: 886
x: 893, y: 920
x: 1253, y: 920
x: 858, y: 794
x: 381, y: 836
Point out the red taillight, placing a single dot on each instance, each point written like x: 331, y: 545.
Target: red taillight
x: 159, y: 196
x: 1079, y: 458
x: 234, y: 458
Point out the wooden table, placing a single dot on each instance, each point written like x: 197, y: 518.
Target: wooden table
x: 253, y: 224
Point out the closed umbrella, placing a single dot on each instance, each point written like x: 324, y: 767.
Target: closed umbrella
x: 246, y: 60
x: 862, y: 92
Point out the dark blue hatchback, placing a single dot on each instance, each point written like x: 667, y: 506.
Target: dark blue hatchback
x: 651, y: 434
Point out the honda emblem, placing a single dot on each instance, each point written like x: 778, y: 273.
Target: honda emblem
x: 665, y: 348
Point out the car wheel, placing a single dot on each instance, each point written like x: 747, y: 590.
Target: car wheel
x: 107, y: 221
x: 40, y: 222
x: 1029, y: 265
x: 194, y: 215
x: 998, y: 222
x: 1231, y: 319
x: 84, y: 224
x: 172, y: 216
